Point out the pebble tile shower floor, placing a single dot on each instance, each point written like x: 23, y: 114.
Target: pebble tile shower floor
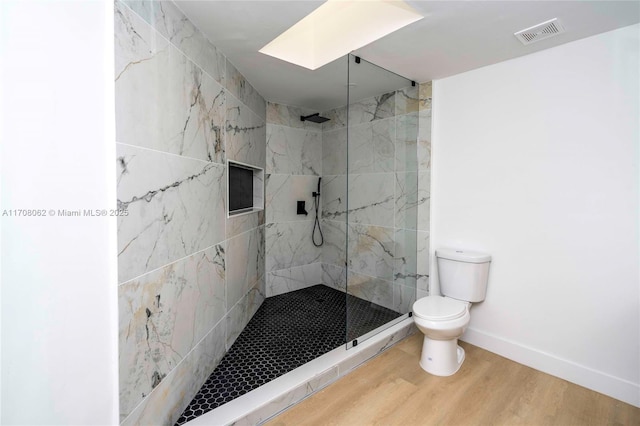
x: 286, y: 332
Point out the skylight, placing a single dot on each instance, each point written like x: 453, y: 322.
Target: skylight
x: 337, y: 28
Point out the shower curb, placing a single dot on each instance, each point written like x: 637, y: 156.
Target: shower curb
x: 261, y: 404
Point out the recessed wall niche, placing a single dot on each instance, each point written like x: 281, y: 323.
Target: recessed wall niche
x: 245, y: 188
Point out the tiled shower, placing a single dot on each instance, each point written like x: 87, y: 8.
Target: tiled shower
x: 190, y: 278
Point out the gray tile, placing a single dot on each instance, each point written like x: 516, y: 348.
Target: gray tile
x: 293, y: 151
x: 244, y: 91
x: 246, y: 134
x: 175, y: 205
x: 164, y: 101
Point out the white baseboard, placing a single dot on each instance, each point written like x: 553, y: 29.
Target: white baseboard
x: 598, y: 381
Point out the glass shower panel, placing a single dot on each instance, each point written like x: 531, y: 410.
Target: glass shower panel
x: 382, y: 198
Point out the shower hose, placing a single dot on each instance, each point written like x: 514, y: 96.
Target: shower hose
x: 316, y: 224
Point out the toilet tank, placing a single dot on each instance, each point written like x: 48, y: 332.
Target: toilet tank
x: 463, y: 274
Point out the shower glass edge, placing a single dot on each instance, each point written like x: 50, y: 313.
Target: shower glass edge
x: 382, y: 199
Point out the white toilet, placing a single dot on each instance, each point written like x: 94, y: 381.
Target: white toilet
x: 463, y: 279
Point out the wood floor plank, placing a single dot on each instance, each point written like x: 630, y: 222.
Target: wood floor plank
x: 392, y: 389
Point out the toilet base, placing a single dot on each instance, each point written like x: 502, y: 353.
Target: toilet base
x: 441, y: 357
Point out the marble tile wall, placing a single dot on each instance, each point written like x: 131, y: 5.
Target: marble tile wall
x: 294, y: 164
x: 424, y: 188
x: 387, y: 158
x: 189, y: 277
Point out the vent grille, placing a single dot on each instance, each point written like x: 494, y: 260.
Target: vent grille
x: 539, y: 32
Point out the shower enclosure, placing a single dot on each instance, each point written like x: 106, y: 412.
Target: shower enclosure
x: 346, y: 270
x: 330, y: 259
x: 370, y: 198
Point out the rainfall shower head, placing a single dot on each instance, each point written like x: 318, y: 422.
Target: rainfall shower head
x: 314, y: 117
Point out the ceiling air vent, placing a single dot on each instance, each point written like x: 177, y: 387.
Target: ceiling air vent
x: 541, y: 31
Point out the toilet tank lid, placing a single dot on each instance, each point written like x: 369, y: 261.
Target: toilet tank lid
x: 463, y: 255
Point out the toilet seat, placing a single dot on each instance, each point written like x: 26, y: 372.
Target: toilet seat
x: 438, y: 308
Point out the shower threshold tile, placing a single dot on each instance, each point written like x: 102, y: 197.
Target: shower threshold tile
x: 286, y: 332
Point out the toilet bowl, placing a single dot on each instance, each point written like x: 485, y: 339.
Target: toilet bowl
x: 442, y: 320
x: 463, y: 277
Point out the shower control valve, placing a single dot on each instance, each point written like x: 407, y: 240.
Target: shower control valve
x: 301, y: 209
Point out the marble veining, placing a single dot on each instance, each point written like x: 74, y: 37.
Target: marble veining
x: 425, y: 93
x: 246, y: 134
x: 239, y: 315
x: 373, y: 108
x: 163, y: 315
x: 292, y: 279
x: 178, y: 283
x: 406, y: 199
x: 176, y: 207
x: 334, y: 152
x: 293, y: 164
x: 289, y: 244
x: 372, y: 146
x: 287, y: 115
x: 422, y: 267
x: 283, y: 191
x: 424, y: 190
x: 334, y: 197
x: 371, y: 198
x: 169, y: 21
x: 371, y: 250
x: 371, y: 289
x: 405, y: 263
x: 164, y: 100
x: 334, y: 247
x: 387, y: 199
x: 424, y: 199
x: 241, y: 89
x: 246, y: 263
x: 334, y: 276
x: 242, y: 223
x: 407, y: 100
x: 293, y: 151
x: 135, y: 41
x: 381, y: 266
x: 424, y: 140
x: 337, y: 118
x: 403, y: 298
x: 165, y: 403
x: 406, y: 142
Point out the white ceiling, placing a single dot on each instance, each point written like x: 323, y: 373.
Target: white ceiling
x: 454, y: 37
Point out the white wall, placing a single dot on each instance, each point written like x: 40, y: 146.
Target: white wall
x: 59, y: 311
x: 535, y: 160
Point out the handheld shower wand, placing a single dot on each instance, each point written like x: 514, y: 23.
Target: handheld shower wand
x: 316, y: 203
x: 317, y: 194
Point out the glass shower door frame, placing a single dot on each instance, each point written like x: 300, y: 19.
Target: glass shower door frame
x: 400, y: 237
